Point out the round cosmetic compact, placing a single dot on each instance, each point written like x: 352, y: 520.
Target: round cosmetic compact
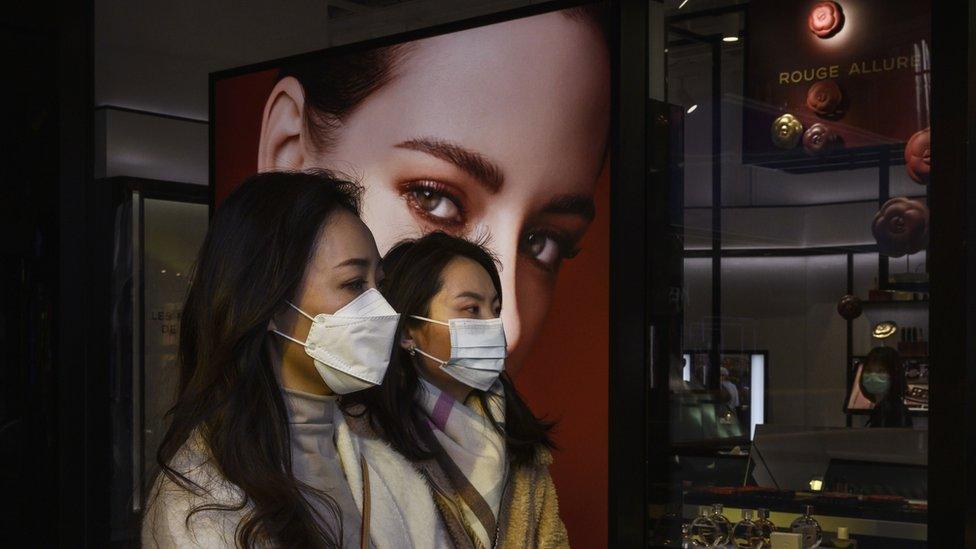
x: 884, y: 329
x: 826, y: 99
x: 787, y: 131
x: 826, y: 19
x: 918, y: 157
x: 819, y: 139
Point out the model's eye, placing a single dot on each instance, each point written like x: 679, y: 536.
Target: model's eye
x: 542, y: 247
x: 547, y: 249
x: 432, y: 200
x: 436, y: 204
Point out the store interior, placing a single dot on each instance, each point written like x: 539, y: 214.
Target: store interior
x: 796, y: 286
x: 770, y: 343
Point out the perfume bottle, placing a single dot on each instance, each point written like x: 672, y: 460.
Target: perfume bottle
x: 704, y: 531
x: 723, y: 524
x: 809, y: 528
x: 687, y: 542
x: 765, y: 525
x: 747, y: 534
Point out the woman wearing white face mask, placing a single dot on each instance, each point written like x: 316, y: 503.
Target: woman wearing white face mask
x: 448, y: 409
x: 282, y: 315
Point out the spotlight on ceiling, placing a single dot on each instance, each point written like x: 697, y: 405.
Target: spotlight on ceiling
x: 730, y: 28
x: 682, y: 4
x: 684, y: 98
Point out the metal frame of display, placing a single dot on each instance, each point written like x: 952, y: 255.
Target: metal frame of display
x: 952, y: 379
x: 631, y: 331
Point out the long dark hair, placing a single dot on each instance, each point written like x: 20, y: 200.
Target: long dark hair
x: 335, y: 85
x: 413, y: 272
x: 252, y: 260
x: 890, y: 360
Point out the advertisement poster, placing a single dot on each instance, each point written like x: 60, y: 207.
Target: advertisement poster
x: 500, y: 132
x: 854, y: 74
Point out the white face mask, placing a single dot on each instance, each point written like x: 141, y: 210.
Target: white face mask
x: 478, y: 350
x: 351, y: 348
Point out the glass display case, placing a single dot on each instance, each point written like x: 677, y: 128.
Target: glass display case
x: 158, y: 229
x: 790, y: 363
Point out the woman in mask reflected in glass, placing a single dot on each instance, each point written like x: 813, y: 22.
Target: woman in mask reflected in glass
x: 448, y: 409
x: 281, y: 316
x: 883, y: 383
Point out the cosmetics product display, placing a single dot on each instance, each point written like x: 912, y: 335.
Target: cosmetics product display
x: 808, y: 528
x: 746, y: 534
x: 704, y: 531
x: 765, y: 524
x: 722, y: 524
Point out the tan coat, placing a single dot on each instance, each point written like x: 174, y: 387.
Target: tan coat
x: 530, y: 512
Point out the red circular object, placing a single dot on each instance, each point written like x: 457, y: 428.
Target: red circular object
x: 819, y: 139
x: 901, y: 227
x: 826, y: 19
x: 918, y: 157
x: 849, y: 307
x: 825, y: 98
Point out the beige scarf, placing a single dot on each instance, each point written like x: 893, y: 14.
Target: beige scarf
x: 471, y: 453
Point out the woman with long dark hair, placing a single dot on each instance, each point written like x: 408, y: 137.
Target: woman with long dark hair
x: 281, y: 316
x: 447, y: 407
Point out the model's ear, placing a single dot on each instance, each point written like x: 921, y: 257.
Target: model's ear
x: 282, y: 146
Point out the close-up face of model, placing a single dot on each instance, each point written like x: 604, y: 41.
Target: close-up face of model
x: 498, y: 131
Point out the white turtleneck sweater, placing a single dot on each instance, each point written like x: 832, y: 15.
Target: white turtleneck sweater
x: 314, y: 462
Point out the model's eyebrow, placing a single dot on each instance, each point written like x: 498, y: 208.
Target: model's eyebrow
x: 354, y: 262
x: 474, y: 164
x: 571, y: 204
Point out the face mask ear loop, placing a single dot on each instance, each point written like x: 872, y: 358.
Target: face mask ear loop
x: 286, y: 336
x: 434, y: 358
x: 301, y: 311
x: 441, y: 322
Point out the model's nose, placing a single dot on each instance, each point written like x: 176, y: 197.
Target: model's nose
x: 505, y: 247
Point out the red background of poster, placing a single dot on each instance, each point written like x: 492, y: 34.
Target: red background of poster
x: 566, y: 375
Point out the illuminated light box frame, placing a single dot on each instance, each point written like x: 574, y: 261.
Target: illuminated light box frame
x: 758, y: 361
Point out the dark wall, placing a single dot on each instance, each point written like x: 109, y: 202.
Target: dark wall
x: 28, y: 268
x: 47, y: 438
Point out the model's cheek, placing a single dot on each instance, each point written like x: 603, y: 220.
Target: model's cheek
x: 386, y: 213
x: 533, y: 291
x: 526, y: 290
